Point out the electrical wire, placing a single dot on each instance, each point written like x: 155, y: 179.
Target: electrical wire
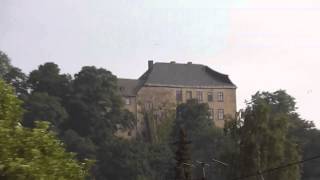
x: 279, y: 167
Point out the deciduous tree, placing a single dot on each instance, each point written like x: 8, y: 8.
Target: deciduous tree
x: 31, y: 153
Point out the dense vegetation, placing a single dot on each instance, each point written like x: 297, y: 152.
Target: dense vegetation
x: 85, y: 110
x: 31, y: 153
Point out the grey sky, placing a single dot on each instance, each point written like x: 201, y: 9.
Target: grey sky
x: 261, y: 44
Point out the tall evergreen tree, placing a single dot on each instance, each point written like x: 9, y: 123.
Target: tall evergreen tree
x: 183, y: 157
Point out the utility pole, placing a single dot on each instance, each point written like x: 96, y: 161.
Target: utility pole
x: 260, y: 175
x: 203, y: 166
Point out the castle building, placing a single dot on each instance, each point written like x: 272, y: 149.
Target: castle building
x: 164, y: 85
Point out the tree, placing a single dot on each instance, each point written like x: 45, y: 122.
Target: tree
x: 83, y: 146
x: 264, y: 137
x: 183, y: 157
x: 307, y: 136
x: 194, y: 117
x: 47, y: 79
x: 41, y: 106
x: 119, y: 160
x: 96, y: 105
x: 311, y: 148
x: 31, y: 153
x: 16, y: 78
x: 5, y: 64
x: 158, y: 113
x: 13, y: 76
x: 207, y: 141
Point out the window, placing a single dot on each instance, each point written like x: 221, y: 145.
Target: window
x: 199, y: 96
x: 127, y: 101
x: 179, y: 95
x: 220, y: 96
x: 211, y: 114
x: 220, y: 114
x: 189, y: 95
x: 148, y: 106
x: 210, y: 96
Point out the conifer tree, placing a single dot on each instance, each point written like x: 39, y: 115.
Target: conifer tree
x: 183, y: 157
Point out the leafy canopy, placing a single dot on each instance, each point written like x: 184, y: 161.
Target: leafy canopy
x: 31, y: 153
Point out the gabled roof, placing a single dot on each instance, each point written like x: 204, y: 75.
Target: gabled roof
x: 129, y: 87
x: 185, y: 75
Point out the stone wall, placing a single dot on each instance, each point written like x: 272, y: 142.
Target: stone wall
x: 165, y: 97
x: 160, y: 100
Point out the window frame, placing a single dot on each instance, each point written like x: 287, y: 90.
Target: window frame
x: 210, y: 94
x: 220, y: 114
x: 127, y: 100
x: 199, y: 95
x: 211, y: 113
x: 220, y: 96
x: 187, y: 95
x: 179, y: 95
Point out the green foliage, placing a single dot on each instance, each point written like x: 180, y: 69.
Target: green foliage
x: 13, y: 76
x: 194, y: 117
x: 264, y: 137
x: 165, y: 129
x: 84, y: 147
x: 41, y: 106
x: 5, y: 64
x: 96, y: 106
x: 121, y: 159
x: 31, y: 153
x: 86, y: 111
x: 183, y: 157
x: 304, y: 133
x: 207, y: 141
x: 18, y: 80
x: 47, y: 79
x: 311, y: 148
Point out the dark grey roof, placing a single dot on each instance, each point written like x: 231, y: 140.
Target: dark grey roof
x: 129, y: 87
x: 174, y: 74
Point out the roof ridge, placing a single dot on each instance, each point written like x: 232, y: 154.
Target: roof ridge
x: 128, y: 79
x: 178, y: 63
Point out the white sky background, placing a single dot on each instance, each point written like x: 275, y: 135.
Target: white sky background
x: 261, y: 44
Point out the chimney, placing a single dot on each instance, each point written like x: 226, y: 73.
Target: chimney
x: 150, y: 64
x: 189, y: 62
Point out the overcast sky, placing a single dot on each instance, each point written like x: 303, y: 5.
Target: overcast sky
x: 261, y: 44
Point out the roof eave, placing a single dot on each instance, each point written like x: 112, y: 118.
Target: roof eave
x: 193, y: 87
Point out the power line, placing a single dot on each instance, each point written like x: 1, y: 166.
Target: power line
x: 277, y: 168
